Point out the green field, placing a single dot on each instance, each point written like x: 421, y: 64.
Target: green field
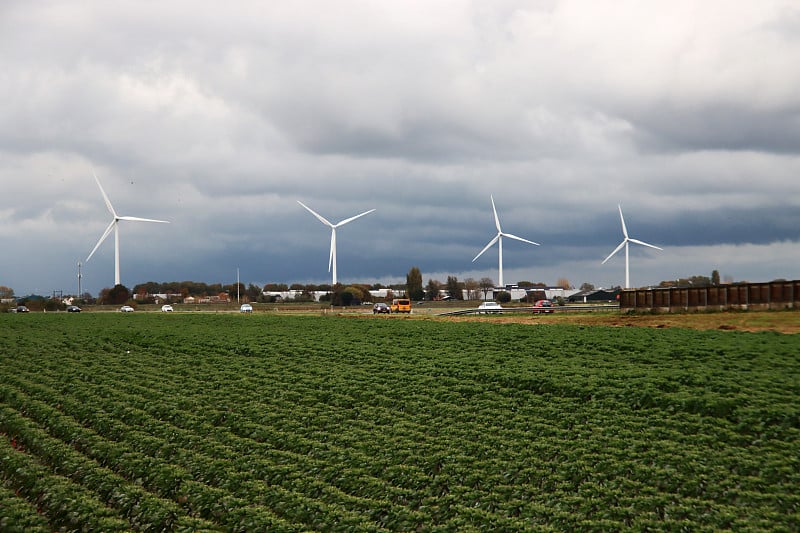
x: 229, y: 422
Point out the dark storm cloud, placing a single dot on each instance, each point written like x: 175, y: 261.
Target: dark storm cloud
x: 219, y: 118
x: 720, y: 127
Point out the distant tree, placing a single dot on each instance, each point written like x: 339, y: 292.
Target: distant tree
x: 715, y: 278
x: 586, y: 286
x: 117, y: 295
x: 253, y: 292
x: 6, y: 292
x: 695, y: 281
x: 524, y: 284
x: 503, y: 297
x: 414, y: 284
x: 363, y: 292
x: 54, y: 305
x: 472, y: 286
x: 346, y: 296
x: 692, y: 281
x: 304, y: 296
x: 564, y: 283
x: 335, y: 297
x: 486, y: 284
x: 432, y: 289
x: 453, y: 288
x: 233, y: 289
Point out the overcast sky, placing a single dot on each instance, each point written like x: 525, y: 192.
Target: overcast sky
x: 220, y: 116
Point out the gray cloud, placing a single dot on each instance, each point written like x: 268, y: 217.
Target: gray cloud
x: 219, y: 118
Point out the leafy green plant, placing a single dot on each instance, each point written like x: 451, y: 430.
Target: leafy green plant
x: 224, y: 422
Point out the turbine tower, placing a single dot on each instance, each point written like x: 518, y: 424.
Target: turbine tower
x: 114, y: 225
x: 499, y: 240
x: 332, y: 257
x: 624, y: 243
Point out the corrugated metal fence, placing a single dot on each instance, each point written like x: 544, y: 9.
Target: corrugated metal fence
x: 772, y: 295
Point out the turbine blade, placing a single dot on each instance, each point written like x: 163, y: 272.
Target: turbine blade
x: 496, y: 218
x: 320, y: 217
x: 617, y: 249
x: 645, y: 244
x: 510, y: 236
x: 624, y: 229
x: 487, y: 246
x: 105, y: 197
x: 345, y: 221
x: 105, y: 234
x: 332, y: 255
x: 137, y: 219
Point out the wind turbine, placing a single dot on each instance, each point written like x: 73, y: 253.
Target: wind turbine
x: 499, y: 240
x: 114, y: 225
x: 332, y: 257
x: 624, y: 243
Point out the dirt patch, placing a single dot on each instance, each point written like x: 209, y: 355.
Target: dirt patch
x: 779, y: 321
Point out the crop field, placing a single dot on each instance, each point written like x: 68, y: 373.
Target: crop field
x: 229, y: 422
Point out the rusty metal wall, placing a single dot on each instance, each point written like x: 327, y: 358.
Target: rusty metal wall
x: 772, y: 295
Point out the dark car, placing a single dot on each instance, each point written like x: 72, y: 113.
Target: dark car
x: 20, y: 309
x: 381, y: 307
x: 543, y: 306
x: 73, y: 309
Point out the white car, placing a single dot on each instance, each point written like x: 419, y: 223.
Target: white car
x: 490, y: 307
x: 166, y: 309
x: 126, y: 309
x: 246, y: 308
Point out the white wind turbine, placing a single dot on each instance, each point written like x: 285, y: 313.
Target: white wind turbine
x: 114, y: 225
x: 499, y: 240
x: 332, y: 257
x: 624, y: 243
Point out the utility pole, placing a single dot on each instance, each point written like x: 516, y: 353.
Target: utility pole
x: 79, y: 280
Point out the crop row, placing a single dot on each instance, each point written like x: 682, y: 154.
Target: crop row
x: 577, y: 474
x: 567, y: 428
x: 17, y: 515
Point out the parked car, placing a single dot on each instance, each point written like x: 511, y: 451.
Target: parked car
x: 381, y: 307
x: 543, y: 306
x: 126, y: 309
x: 490, y: 307
x: 20, y: 309
x: 246, y: 308
x: 166, y: 308
x: 73, y: 309
x: 401, y: 305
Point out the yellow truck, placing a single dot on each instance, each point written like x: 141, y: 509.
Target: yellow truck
x: 401, y: 305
